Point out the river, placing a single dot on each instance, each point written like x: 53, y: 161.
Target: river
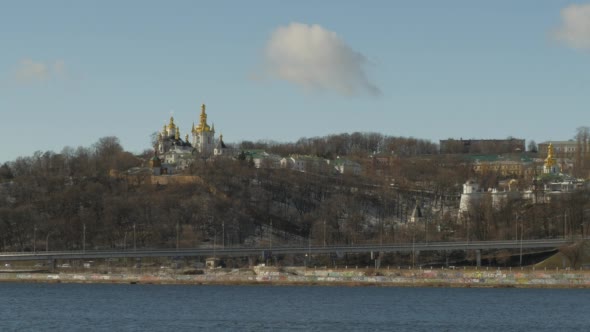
x: 106, y: 307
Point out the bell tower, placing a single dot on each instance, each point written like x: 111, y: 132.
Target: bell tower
x: 203, y: 134
x: 550, y: 166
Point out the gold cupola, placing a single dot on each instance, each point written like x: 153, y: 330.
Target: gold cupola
x: 171, y: 125
x: 203, y: 126
x: 550, y: 160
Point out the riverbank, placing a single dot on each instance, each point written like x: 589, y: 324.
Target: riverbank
x: 500, y: 278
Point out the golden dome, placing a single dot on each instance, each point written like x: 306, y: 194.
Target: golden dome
x: 550, y: 160
x: 171, y: 125
x: 203, y: 126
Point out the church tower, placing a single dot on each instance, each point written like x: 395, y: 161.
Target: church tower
x: 550, y: 166
x: 203, y: 135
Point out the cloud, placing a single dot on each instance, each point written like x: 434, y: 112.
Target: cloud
x: 575, y: 28
x: 59, y: 68
x: 316, y: 58
x: 31, y: 71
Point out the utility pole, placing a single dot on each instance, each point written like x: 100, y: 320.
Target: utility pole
x: 413, y: 246
x: 84, y: 237
x: 47, y: 242
x: 134, y: 246
x: 177, y: 233
x: 381, y: 232
x: 309, y: 247
x: 521, y: 238
x: 270, y: 242
x: 324, y: 232
x: 565, y: 225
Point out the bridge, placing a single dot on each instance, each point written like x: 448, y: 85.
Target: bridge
x: 280, y: 250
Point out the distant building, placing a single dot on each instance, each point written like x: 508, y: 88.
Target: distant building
x: 555, y: 185
x: 562, y: 149
x: 417, y: 215
x: 176, y: 153
x: 262, y: 159
x: 203, y: 139
x: 551, y: 166
x: 483, y: 146
x: 305, y: 163
x: 222, y: 150
x: 203, y: 135
x: 507, y: 165
x: 345, y: 166
x: 169, y: 140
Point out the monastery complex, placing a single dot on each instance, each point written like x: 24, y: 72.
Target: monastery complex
x: 557, y: 185
x: 173, y: 153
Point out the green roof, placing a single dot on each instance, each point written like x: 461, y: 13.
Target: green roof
x: 522, y: 157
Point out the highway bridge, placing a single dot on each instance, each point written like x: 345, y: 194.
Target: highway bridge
x: 279, y: 250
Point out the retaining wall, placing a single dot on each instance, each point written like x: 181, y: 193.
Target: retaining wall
x: 442, y: 278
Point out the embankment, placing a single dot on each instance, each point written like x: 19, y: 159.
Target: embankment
x: 339, y: 277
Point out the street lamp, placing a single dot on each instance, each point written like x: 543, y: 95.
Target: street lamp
x: 47, y: 241
x: 35, y: 239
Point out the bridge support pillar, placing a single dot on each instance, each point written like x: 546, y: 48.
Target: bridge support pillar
x: 478, y: 257
x: 378, y: 263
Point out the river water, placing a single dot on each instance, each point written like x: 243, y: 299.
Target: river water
x: 102, y: 307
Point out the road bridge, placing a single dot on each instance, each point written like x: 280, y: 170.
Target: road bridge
x: 279, y: 250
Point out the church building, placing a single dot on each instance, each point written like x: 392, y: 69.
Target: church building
x: 177, y: 153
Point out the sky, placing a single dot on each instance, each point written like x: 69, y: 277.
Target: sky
x: 72, y: 72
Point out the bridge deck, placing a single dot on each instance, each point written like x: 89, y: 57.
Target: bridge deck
x: 244, y: 251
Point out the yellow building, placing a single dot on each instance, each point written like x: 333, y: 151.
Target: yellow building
x: 507, y: 165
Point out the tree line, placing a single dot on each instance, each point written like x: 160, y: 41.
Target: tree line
x: 73, y: 200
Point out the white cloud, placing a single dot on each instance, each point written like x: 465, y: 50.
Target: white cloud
x: 575, y: 27
x: 59, y: 68
x: 32, y: 71
x: 316, y: 58
x: 28, y: 70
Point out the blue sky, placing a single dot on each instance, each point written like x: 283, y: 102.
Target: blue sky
x: 72, y: 72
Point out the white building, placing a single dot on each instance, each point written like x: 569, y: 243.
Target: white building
x: 556, y: 184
